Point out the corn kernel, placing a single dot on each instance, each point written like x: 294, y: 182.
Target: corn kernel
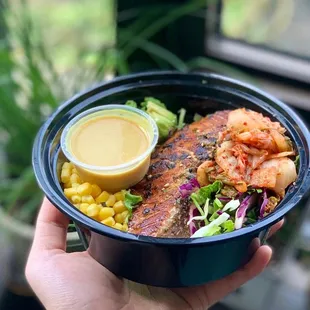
x: 67, y: 185
x: 118, y: 226
x: 119, y: 196
x: 125, y: 214
x: 119, y: 207
x: 83, y: 207
x: 109, y: 221
x: 69, y: 192
x: 67, y: 165
x: 125, y: 227
x: 96, y: 190
x: 119, y: 218
x: 65, y: 175
x: 74, y: 171
x: 75, y: 185
x: 105, y: 213
x: 77, y: 205
x: 103, y: 197
x: 75, y: 179
x: 76, y: 198
x: 93, y: 210
x: 111, y: 201
x: 88, y: 199
x: 84, y: 189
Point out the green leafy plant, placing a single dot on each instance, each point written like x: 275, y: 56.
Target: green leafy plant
x: 31, y: 87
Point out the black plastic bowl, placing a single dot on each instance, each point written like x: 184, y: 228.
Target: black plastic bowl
x: 160, y: 261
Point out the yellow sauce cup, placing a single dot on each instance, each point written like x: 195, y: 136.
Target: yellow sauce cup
x: 122, y: 176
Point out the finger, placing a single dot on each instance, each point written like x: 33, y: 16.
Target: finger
x: 51, y: 229
x: 218, y: 289
x: 275, y: 228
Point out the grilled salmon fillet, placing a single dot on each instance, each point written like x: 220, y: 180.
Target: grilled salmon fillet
x: 163, y: 213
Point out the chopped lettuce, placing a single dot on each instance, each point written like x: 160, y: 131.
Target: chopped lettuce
x: 217, y: 205
x: 228, y: 226
x: 131, y: 202
x: 214, y: 216
x: 197, y: 206
x: 197, y: 117
x: 251, y: 217
x: 213, y: 228
x: 131, y: 103
x: 202, y: 217
x: 231, y: 205
x: 217, y: 221
x: 166, y: 120
x: 200, y: 196
x: 153, y: 100
x: 181, y: 123
x: 297, y: 160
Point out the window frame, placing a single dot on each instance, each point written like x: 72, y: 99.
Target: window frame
x: 258, y: 57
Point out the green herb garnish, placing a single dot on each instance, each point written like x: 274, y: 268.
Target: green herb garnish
x: 131, y: 201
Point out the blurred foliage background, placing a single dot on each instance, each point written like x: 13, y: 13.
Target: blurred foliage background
x: 51, y: 51
x: 47, y: 54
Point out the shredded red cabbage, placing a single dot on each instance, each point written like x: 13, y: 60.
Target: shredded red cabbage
x: 240, y: 195
x: 241, y: 211
x: 196, y: 211
x: 264, y: 204
x: 194, y: 182
x: 187, y: 188
x: 192, y: 212
x: 243, y: 206
x: 224, y: 198
x: 219, y: 212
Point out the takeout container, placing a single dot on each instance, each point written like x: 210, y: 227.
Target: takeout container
x: 112, y: 178
x: 161, y: 261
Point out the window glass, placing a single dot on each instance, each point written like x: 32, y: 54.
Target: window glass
x: 282, y: 25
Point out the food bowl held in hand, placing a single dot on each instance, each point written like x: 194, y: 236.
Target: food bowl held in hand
x: 176, y: 261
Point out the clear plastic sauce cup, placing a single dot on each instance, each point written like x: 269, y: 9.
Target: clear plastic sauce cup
x: 116, y: 177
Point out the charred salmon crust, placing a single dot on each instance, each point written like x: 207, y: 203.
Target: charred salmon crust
x: 163, y: 213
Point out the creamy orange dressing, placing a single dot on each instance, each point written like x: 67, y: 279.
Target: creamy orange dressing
x: 108, y: 141
x: 110, y: 138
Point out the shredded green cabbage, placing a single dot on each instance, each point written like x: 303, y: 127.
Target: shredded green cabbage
x: 213, y: 228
